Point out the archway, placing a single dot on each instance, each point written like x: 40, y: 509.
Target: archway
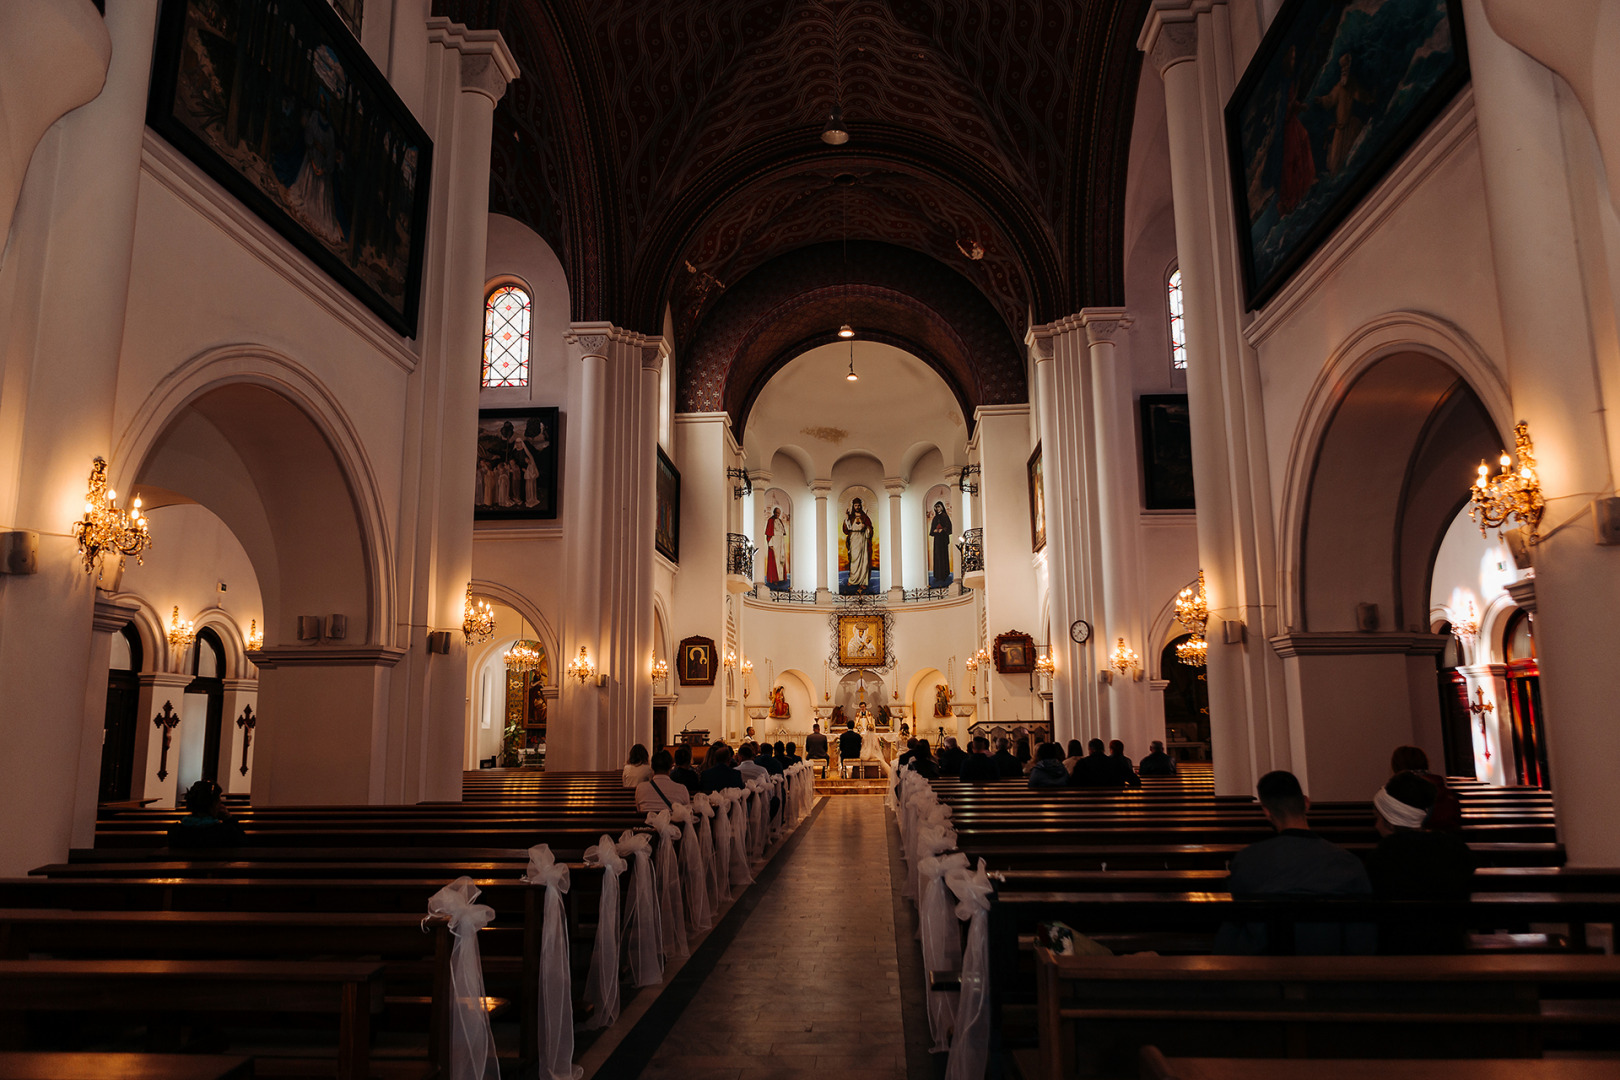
x: 1186, y: 705
x: 256, y: 441
x: 1394, y: 435
x: 122, y: 716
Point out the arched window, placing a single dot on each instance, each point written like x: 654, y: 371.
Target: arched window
x: 506, y: 336
x: 1178, y: 321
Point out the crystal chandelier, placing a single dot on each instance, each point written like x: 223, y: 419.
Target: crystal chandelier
x: 522, y: 657
x: 106, y: 528
x: 1194, y: 652
x: 1124, y: 658
x: 255, y: 639
x: 1192, y: 611
x: 477, y: 619
x: 181, y: 631
x: 1510, y: 493
x: 1467, y: 629
x: 660, y: 671
x: 581, y: 668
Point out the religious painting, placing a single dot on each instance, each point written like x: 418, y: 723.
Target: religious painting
x: 941, y: 535
x: 778, y: 534
x: 1014, y: 653
x: 779, y: 704
x: 695, y: 661
x: 1334, y: 96
x: 862, y: 641
x: 1167, y: 475
x: 517, y: 464
x: 525, y: 699
x: 1037, y: 502
x: 667, y: 526
x: 942, y: 700
x: 277, y: 101
x: 858, y: 543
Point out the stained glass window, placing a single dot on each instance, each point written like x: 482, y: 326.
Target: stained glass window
x: 1178, y: 322
x: 506, y: 337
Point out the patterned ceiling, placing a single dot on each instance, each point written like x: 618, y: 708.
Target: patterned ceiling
x: 648, y: 136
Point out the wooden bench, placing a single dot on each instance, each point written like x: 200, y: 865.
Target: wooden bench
x: 1095, y: 1014
x: 46, y: 1065
x: 350, y: 991
x: 1155, y: 1066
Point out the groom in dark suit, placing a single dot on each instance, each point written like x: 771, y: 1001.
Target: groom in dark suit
x: 849, y: 744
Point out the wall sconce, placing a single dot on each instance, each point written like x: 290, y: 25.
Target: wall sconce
x: 181, y: 631
x: 581, y: 668
x: 1044, y: 668
x: 106, y: 528
x: 255, y: 639
x: 731, y: 658
x: 747, y: 669
x: 477, y: 619
x: 1467, y: 630
x: 1192, y: 606
x: 1510, y: 493
x: 1125, y: 661
x: 660, y: 671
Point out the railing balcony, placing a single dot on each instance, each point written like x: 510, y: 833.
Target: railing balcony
x: 944, y: 592
x: 972, y: 548
x: 740, y: 557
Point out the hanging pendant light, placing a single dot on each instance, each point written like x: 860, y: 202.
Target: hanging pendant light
x: 852, y: 377
x: 835, y: 134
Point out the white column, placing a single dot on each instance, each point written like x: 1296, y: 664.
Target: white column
x: 1190, y: 43
x: 1554, y: 379
x: 572, y: 732
x: 236, y: 741
x: 64, y: 287
x: 895, y: 558
x: 1119, y: 507
x: 1009, y: 595
x: 826, y: 545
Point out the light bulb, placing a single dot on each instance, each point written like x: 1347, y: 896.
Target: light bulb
x: 1506, y: 461
x: 846, y: 331
x: 852, y: 377
x: 112, y: 496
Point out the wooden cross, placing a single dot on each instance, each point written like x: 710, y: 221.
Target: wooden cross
x: 247, y: 722
x: 1479, y: 707
x: 167, y: 720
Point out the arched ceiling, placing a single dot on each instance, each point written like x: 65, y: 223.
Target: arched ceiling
x: 669, y: 150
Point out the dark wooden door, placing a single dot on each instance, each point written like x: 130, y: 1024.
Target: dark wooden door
x: 118, y: 735
x: 660, y: 726
x: 213, y: 723
x: 1529, y: 733
x: 1456, y: 726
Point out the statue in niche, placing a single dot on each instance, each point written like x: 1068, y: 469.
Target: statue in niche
x: 858, y: 533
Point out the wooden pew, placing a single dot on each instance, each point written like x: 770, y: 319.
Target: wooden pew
x: 54, y: 1065
x: 1155, y: 1066
x: 350, y: 991
x: 1095, y: 1014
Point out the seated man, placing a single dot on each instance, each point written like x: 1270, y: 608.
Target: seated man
x: 1414, y: 861
x: 718, y: 769
x: 790, y: 754
x: 1157, y: 763
x: 977, y: 768
x: 1295, y: 862
x: 1096, y: 769
x: 748, y: 763
x: 849, y: 746
x: 815, y: 747
x: 1122, y: 765
x: 1006, y: 764
x: 951, y: 757
x: 207, y: 823
x: 663, y: 791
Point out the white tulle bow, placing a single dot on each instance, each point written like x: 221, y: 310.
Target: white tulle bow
x: 556, y: 1004
x: 472, y: 1045
x: 643, y: 933
x: 602, y: 981
x: 971, y: 1047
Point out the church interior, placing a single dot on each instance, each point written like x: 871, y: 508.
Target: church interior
x: 410, y: 410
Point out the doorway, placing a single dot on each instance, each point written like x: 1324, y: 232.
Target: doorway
x: 1186, y: 706
x: 120, y: 723
x: 1524, y: 700
x: 208, y: 682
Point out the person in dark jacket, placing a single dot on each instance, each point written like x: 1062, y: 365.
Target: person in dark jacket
x: 683, y: 773
x: 1122, y: 765
x: 1415, y: 862
x: 1157, y: 763
x: 849, y: 745
x: 977, y: 768
x: 1096, y: 769
x: 1006, y: 764
x: 815, y: 745
x: 951, y: 757
x: 789, y: 753
x: 719, y: 772
x: 922, y: 761
x: 1049, y: 771
x: 207, y: 823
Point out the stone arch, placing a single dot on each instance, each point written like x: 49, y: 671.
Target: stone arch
x: 512, y: 598
x: 230, y: 636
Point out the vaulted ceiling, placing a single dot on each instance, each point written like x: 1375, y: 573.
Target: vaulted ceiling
x: 668, y: 150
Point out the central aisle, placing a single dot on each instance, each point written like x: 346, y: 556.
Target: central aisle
x: 809, y: 987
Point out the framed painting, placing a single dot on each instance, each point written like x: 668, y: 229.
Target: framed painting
x: 1014, y: 653
x: 517, y: 464
x: 667, y: 527
x: 1334, y: 96
x: 859, y: 551
x: 277, y: 101
x: 695, y: 661
x: 862, y: 641
x: 1167, y: 478
x: 1037, y: 502
x: 777, y: 510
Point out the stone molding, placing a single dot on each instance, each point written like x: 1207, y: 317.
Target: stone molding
x: 322, y: 656
x: 1102, y: 324
x: 487, y: 65
x: 1355, y: 643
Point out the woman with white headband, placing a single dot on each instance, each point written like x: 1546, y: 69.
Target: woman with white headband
x: 1415, y: 862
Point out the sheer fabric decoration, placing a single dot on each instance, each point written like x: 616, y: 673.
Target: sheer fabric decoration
x: 1178, y: 322
x: 506, y: 337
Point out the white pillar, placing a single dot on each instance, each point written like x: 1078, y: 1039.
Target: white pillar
x: 1554, y: 379
x: 826, y: 545
x: 1190, y: 43
x: 1009, y: 594
x: 895, y: 560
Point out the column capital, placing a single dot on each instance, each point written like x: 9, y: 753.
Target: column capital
x: 894, y: 486
x: 1170, y: 33
x: 600, y: 338
x: 112, y: 614
x: 821, y: 488
x: 759, y: 476
x: 1102, y: 323
x: 487, y: 65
